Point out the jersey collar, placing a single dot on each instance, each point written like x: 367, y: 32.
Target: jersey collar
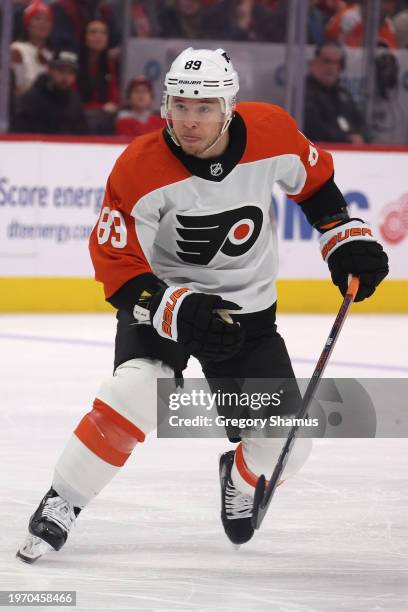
x: 214, y: 168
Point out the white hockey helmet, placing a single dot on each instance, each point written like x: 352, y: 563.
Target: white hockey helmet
x: 202, y: 73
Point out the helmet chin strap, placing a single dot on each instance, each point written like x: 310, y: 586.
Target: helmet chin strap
x: 220, y: 135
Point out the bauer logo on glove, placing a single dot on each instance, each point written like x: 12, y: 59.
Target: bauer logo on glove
x: 353, y: 230
x: 192, y: 318
x: 165, y: 318
x: 350, y: 248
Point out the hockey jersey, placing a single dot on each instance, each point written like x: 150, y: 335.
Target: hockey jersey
x: 206, y: 224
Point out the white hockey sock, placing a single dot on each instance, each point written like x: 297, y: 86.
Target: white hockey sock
x: 256, y: 456
x: 80, y: 474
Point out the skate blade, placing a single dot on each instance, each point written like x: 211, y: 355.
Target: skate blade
x: 32, y: 549
x: 236, y: 546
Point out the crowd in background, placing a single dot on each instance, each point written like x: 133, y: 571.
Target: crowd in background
x: 66, y: 55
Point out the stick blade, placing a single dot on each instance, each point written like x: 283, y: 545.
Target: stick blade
x: 258, y: 499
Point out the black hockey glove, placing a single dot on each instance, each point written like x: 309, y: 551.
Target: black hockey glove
x: 349, y: 248
x: 189, y: 317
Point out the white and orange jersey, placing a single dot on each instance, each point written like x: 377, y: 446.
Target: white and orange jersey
x: 206, y: 224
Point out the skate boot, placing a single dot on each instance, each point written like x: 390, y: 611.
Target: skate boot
x: 236, y: 507
x: 48, y: 527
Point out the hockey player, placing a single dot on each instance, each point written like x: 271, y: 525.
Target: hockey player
x: 186, y: 231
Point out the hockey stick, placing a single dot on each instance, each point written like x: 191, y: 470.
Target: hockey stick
x: 263, y: 496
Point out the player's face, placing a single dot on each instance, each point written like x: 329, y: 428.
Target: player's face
x: 196, y: 123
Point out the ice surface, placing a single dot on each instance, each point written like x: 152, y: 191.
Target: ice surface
x: 336, y: 536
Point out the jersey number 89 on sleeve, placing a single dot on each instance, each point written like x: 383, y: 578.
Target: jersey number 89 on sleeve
x: 111, y: 221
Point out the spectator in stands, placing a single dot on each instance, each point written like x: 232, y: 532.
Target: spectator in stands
x: 245, y: 20
x: 181, y: 20
x: 70, y: 18
x: 386, y: 32
x: 138, y: 117
x: 19, y: 7
x: 143, y: 19
x: 320, y: 13
x: 345, y: 17
x: 30, y: 55
x: 390, y: 115
x: 98, y: 78
x: 51, y: 106
x: 351, y: 25
x: 400, y: 22
x: 315, y: 24
x: 331, y: 115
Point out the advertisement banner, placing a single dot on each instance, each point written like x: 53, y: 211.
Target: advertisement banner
x: 375, y: 188
x: 51, y: 192
x: 50, y: 196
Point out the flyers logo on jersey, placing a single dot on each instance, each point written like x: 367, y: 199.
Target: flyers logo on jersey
x: 232, y: 232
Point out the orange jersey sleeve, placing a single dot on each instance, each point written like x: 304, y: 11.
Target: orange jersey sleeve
x: 122, y: 240
x: 271, y: 132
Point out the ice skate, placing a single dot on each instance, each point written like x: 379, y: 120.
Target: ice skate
x: 236, y: 507
x: 48, y: 528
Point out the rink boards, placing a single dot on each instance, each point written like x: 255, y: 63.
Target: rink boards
x: 51, y: 192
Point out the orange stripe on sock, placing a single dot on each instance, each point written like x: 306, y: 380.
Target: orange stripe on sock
x: 120, y: 420
x: 108, y: 434
x: 244, y: 470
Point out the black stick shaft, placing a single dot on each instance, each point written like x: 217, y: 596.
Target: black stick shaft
x: 263, y: 497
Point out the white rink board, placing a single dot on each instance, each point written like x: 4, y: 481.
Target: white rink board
x: 50, y: 194
x: 54, y: 189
